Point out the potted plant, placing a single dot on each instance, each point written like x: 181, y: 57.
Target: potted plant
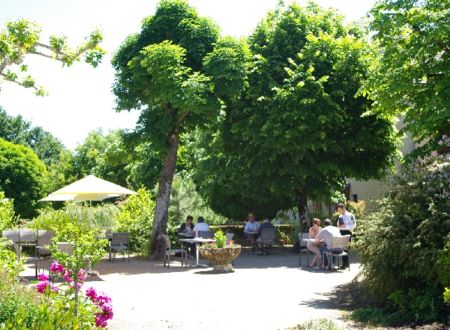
x: 221, y: 253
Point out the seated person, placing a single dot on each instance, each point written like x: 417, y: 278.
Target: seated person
x: 251, y: 230
x: 201, y: 226
x: 188, y: 226
x: 326, y: 234
x: 314, y: 246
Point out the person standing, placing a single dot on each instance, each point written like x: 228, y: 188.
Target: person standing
x: 346, y: 224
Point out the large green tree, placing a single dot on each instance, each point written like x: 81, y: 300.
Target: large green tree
x: 22, y: 177
x: 412, y: 76
x: 176, y: 71
x: 300, y: 129
x: 21, y: 38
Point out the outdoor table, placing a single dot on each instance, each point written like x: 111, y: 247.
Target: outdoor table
x: 306, y: 241
x: 197, y: 241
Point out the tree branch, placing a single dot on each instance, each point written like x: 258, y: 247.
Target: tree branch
x: 18, y: 82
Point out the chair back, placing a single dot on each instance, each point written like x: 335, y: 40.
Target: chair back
x: 28, y: 236
x: 268, y: 235
x: 229, y: 236
x: 120, y: 239
x: 44, y: 237
x: 301, y: 237
x: 12, y: 235
x: 340, y: 243
x: 204, y: 234
x: 64, y: 247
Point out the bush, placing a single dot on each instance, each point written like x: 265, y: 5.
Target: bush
x: 136, y: 217
x: 7, y: 218
x: 403, y: 244
x: 9, y: 262
x: 320, y: 324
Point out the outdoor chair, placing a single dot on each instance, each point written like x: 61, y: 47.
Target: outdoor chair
x: 339, y: 249
x: 229, y: 236
x: 303, y: 246
x: 204, y: 234
x: 27, y: 238
x: 44, y: 239
x: 267, y: 238
x: 120, y: 242
x: 173, y: 252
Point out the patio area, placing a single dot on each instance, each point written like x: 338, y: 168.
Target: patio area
x: 264, y: 292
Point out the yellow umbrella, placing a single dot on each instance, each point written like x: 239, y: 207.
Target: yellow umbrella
x: 89, y: 188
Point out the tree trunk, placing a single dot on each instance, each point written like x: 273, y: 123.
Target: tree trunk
x: 303, y: 213
x: 157, y: 243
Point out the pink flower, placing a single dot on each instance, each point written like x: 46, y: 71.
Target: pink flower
x: 68, y: 276
x: 56, y: 267
x: 91, y: 293
x: 73, y: 286
x: 42, y: 277
x: 41, y: 287
x: 81, y: 275
x: 102, y: 299
x: 106, y: 308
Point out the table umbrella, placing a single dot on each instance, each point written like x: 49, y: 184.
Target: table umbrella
x: 89, y: 188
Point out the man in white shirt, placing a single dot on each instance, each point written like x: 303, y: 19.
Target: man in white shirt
x: 346, y: 223
x: 326, y: 235
x: 200, y: 226
x: 251, y: 230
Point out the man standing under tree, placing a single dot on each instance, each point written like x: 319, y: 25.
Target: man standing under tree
x: 346, y: 224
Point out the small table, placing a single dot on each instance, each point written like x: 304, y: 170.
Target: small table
x: 306, y: 240
x: 197, y: 241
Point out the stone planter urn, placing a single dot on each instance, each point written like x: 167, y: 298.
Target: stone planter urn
x: 221, y: 258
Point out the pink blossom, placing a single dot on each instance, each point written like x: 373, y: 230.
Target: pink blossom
x: 91, y: 293
x: 42, y: 286
x: 56, y: 267
x: 42, y: 277
x: 82, y: 275
x: 102, y: 299
x: 73, y: 286
x: 68, y: 276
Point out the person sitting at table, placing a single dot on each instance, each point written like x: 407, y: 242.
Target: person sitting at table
x: 251, y: 230
x: 201, y: 225
x: 314, y: 246
x: 326, y: 234
x: 187, y: 227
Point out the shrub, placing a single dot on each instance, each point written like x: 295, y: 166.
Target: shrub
x: 136, y: 217
x: 9, y: 263
x: 319, y: 324
x: 7, y: 218
x: 403, y: 244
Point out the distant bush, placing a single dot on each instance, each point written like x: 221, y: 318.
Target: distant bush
x: 404, y: 245
x: 7, y: 218
x: 136, y: 218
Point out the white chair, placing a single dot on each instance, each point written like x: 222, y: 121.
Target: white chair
x: 267, y: 238
x: 172, y: 252
x: 204, y: 234
x: 44, y: 239
x: 339, y: 249
x: 229, y: 236
x: 303, y: 246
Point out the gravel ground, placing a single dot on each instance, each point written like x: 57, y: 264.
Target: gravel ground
x: 264, y: 292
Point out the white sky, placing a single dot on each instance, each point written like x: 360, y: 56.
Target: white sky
x: 80, y: 97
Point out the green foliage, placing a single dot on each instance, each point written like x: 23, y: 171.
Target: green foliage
x: 299, y: 128
x: 377, y: 317
x: 22, y: 177
x: 7, y: 218
x: 220, y: 238
x: 136, y: 218
x: 22, y: 37
x: 319, y: 324
x: 10, y: 265
x: 403, y: 244
x: 19, y: 305
x: 411, y: 75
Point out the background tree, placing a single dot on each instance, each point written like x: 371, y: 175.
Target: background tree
x: 412, y: 76
x: 21, y: 177
x: 165, y: 72
x: 300, y: 129
x: 22, y: 37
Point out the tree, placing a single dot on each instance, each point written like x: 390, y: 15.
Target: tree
x: 173, y: 71
x: 412, y: 76
x: 300, y: 129
x: 21, y: 177
x: 22, y: 38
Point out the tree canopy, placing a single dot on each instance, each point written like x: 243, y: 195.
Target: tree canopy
x: 21, y: 177
x: 22, y: 37
x: 300, y: 127
x: 412, y: 76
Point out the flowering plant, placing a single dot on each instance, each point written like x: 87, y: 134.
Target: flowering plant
x: 90, y: 309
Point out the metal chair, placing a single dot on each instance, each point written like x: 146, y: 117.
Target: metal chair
x: 339, y: 249
x: 229, y: 236
x: 303, y: 246
x: 172, y: 252
x: 267, y: 238
x: 44, y: 239
x: 120, y: 242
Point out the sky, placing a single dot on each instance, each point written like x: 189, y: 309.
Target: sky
x: 80, y: 98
